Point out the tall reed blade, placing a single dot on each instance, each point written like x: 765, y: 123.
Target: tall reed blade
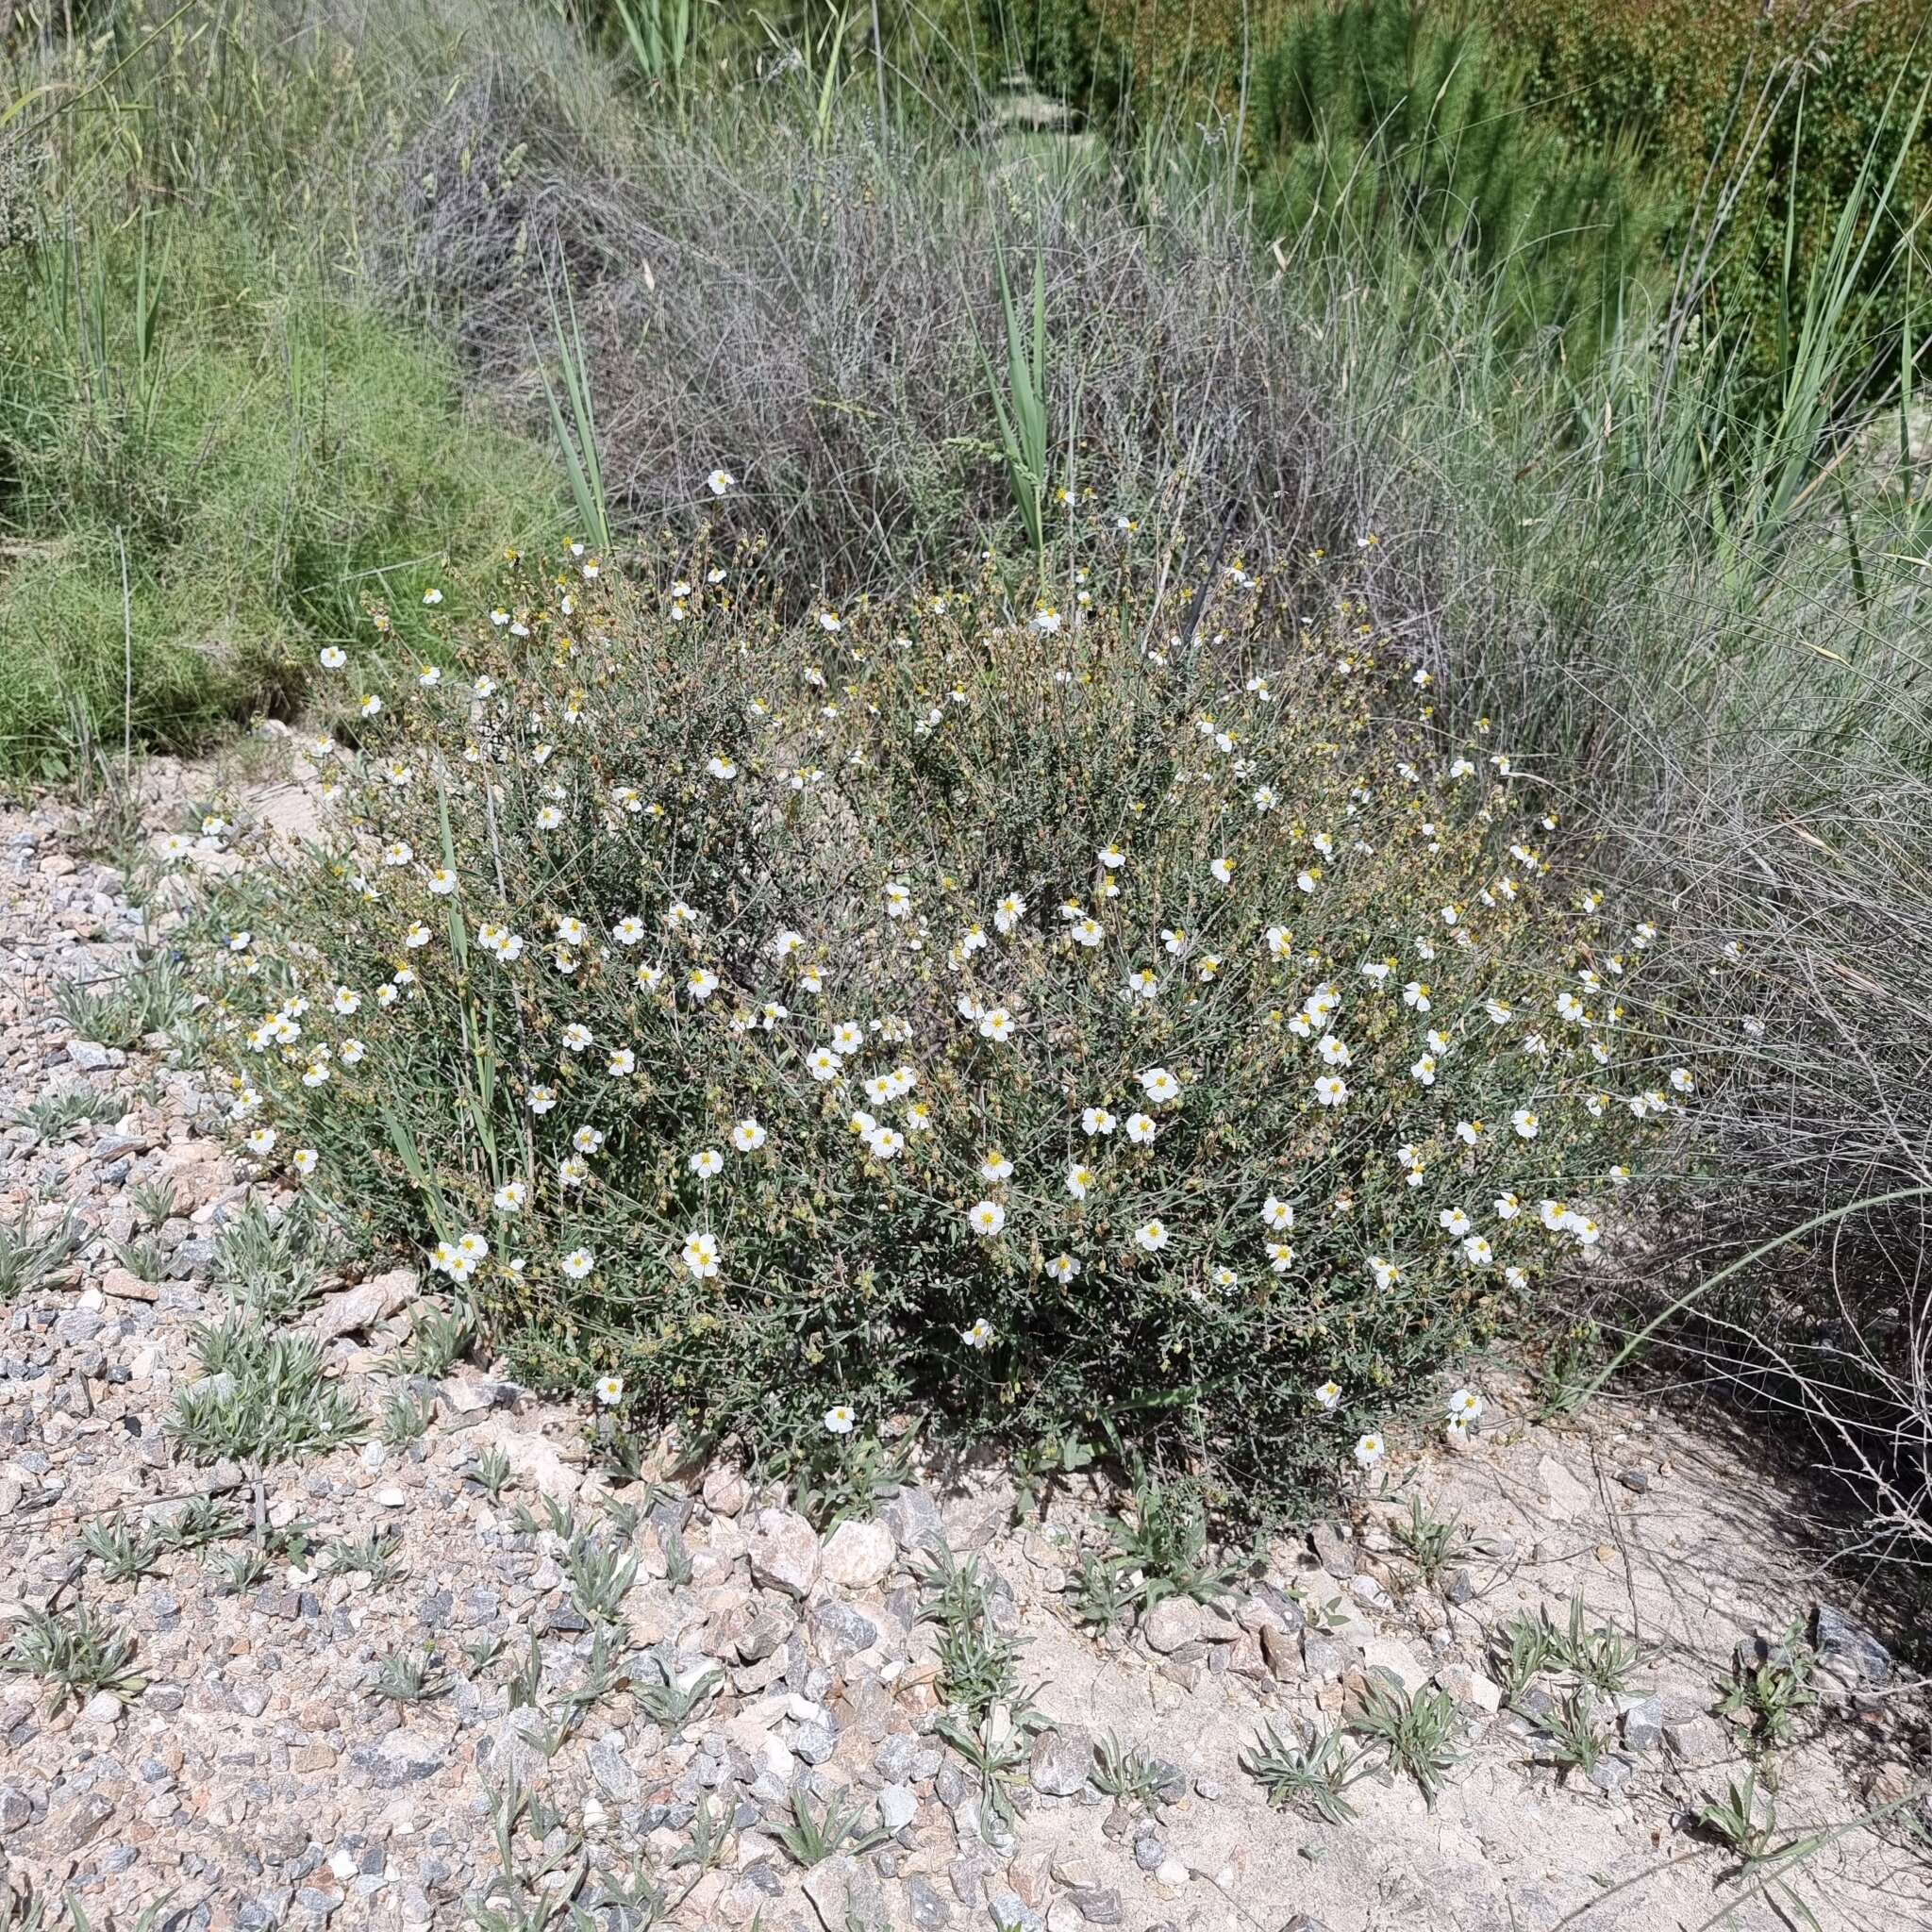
x: 577, y: 438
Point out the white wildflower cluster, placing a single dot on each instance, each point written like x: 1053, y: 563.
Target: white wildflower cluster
x: 1085, y: 1024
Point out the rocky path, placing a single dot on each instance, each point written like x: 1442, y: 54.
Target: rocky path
x: 453, y: 1674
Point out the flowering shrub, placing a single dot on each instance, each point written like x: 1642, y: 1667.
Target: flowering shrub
x: 1023, y: 1023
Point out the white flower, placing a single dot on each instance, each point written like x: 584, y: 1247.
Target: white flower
x: 700, y: 1254
x: 432, y: 596
x: 1465, y: 1406
x: 1140, y: 1128
x: 609, y: 1389
x: 1416, y: 994
x: 1009, y: 912
x: 707, y: 1163
x: 1276, y: 1213
x: 542, y: 1099
x: 996, y: 1024
x: 1281, y: 1255
x: 623, y: 1060
x: 578, y: 1263
x: 1158, y: 1085
x: 1096, y: 1120
x: 262, y: 1140
x: 1526, y: 1122
x: 979, y: 1335
x: 1370, y: 1450
x: 885, y: 1142
x: 720, y: 481
x: 333, y: 657
x: 1386, y: 1272
x: 1454, y: 1220
x: 508, y: 1199
x: 1477, y: 1252
x: 748, y: 1136
x: 986, y: 1218
x: 304, y: 1161
x: 898, y: 900
x: 1079, y: 1180
x: 1063, y: 1268
x: 1329, y: 1395
x: 721, y: 767
x: 995, y: 1167
x: 1087, y: 931
x: 1331, y: 1090
x: 701, y: 982
x: 839, y: 1420
x: 1152, y: 1236
x: 1222, y: 870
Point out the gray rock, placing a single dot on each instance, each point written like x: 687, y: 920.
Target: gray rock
x: 1172, y: 1625
x: 1612, y: 1773
x: 898, y: 1807
x: 612, y: 1770
x: 1150, y: 1852
x: 784, y: 1554
x: 913, y: 1517
x: 843, y: 1889
x: 1642, y: 1723
x: 762, y: 1636
x: 930, y: 1908
x: 1062, y: 1760
x: 840, y: 1632
x: 1333, y: 1550
x: 1010, y: 1910
x: 1098, y: 1906
x: 1323, y: 1657
x: 815, y: 1744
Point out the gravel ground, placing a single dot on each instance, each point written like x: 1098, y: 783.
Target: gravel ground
x: 252, y: 1771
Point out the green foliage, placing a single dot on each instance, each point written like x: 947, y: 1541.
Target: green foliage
x: 1429, y: 1541
x: 118, y: 1550
x: 1386, y: 119
x: 1129, y: 1774
x: 814, y: 1835
x: 1767, y: 1691
x: 1418, y: 1731
x: 58, y: 1116
x: 263, y: 1397
x: 1158, y: 1550
x: 33, y: 1248
x: 271, y: 1265
x: 76, y: 1652
x: 214, y: 451
x: 152, y: 998
x: 1778, y: 108
x: 411, y: 1678
x: 1308, y: 1776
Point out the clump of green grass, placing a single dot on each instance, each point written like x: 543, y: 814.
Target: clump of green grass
x: 1310, y: 1776
x: 209, y: 488
x: 77, y: 1653
x: 264, y: 1397
x: 58, y: 1116
x: 32, y: 1248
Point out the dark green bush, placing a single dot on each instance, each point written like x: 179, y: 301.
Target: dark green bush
x: 1384, y: 117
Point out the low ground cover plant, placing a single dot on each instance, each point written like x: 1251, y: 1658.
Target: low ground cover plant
x: 1009, y: 1016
